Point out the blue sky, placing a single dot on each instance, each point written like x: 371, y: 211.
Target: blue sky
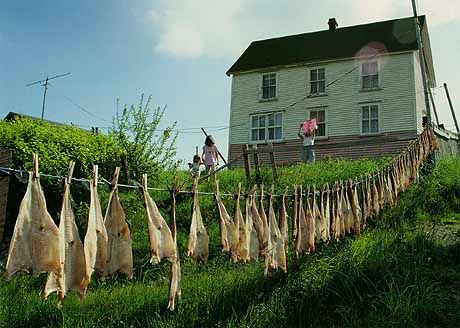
x: 178, y: 51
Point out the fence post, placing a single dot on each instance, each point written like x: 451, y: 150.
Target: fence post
x: 256, y: 162
x: 273, y: 162
x: 247, y: 166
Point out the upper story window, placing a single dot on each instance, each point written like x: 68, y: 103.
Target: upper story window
x: 317, y: 81
x: 320, y: 116
x: 370, y: 75
x: 267, y: 127
x: 370, y: 119
x: 269, y: 86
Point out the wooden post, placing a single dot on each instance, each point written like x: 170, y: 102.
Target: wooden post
x: 272, y: 160
x: 256, y: 162
x: 434, y: 107
x: 247, y: 165
x: 451, y: 108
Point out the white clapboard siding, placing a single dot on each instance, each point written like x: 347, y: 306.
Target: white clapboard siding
x: 401, y: 91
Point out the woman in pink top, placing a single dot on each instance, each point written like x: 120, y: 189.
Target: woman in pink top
x: 210, y: 153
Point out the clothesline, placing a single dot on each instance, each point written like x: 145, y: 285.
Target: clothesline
x: 8, y: 171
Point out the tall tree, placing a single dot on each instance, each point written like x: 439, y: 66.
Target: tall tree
x: 147, y: 147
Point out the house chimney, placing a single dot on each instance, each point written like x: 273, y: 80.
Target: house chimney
x: 332, y: 24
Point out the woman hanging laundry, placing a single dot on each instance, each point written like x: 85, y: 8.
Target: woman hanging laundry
x: 307, y: 131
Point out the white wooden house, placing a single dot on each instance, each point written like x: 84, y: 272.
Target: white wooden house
x: 362, y: 83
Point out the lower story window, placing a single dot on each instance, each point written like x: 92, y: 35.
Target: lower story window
x: 267, y: 127
x: 320, y: 116
x: 370, y: 119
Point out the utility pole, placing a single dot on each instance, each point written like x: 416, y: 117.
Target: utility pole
x: 44, y: 97
x: 451, y: 108
x: 44, y: 83
x: 434, y: 108
x: 422, y: 61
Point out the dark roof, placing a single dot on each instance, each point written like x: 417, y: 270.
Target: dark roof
x: 12, y: 115
x: 347, y: 42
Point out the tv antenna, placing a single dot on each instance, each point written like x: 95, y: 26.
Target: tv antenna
x: 44, y: 83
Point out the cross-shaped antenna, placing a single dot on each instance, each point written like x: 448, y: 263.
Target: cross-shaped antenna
x: 45, y: 84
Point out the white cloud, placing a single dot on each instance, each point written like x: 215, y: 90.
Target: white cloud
x: 217, y: 28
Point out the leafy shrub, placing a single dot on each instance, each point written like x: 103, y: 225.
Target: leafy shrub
x: 57, y: 145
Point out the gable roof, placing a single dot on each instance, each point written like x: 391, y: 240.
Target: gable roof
x: 347, y: 42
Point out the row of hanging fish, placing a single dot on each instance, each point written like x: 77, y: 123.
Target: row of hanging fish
x: 38, y: 245
x: 318, y: 214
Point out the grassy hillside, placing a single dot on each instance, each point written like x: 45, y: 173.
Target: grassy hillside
x: 404, y: 270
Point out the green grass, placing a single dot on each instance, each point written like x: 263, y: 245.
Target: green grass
x: 403, y: 271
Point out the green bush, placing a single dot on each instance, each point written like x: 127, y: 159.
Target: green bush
x: 56, y: 145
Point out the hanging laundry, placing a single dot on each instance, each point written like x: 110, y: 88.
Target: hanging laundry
x: 119, y: 245
x: 198, y: 239
x: 95, y: 245
x: 310, y: 221
x: 160, y: 237
x: 284, y: 221
x: 34, y: 247
x: 276, y: 256
x: 73, y: 266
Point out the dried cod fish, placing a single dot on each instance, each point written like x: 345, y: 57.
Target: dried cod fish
x: 119, y: 245
x: 73, y: 266
x: 198, y: 239
x: 34, y: 246
x: 95, y: 245
x: 276, y: 256
x: 283, y: 224
x: 160, y: 237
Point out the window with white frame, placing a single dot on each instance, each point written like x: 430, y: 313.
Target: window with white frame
x: 370, y: 75
x: 269, y: 86
x: 267, y: 127
x: 370, y: 119
x: 317, y: 81
x: 320, y: 116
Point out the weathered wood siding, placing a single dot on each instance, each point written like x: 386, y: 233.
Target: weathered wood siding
x: 342, y: 102
x: 448, y: 144
x: 353, y: 147
x: 5, y: 161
